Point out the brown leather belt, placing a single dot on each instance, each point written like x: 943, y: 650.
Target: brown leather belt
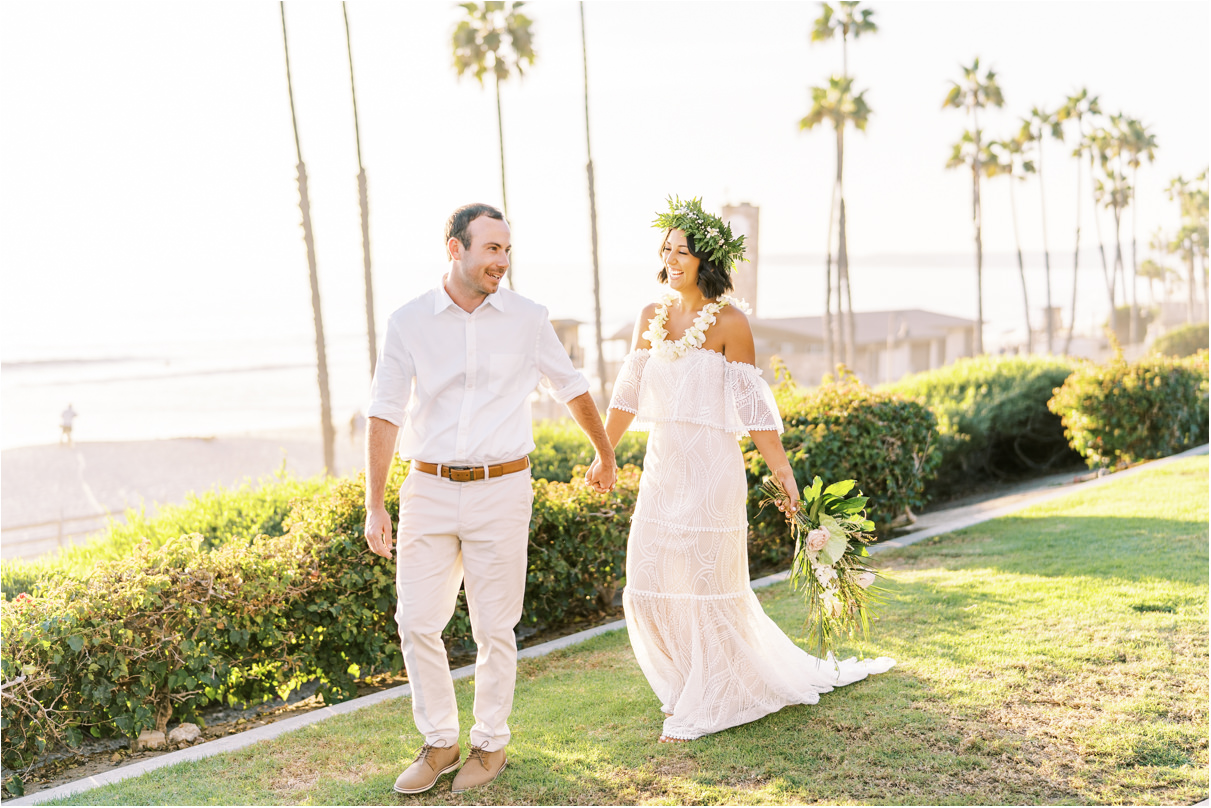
x: 466, y: 474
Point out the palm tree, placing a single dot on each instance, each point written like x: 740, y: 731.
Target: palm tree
x: 974, y: 94
x: 849, y: 19
x: 601, y: 369
x: 364, y: 201
x: 838, y: 104
x: 1007, y: 158
x: 321, y: 355
x: 1140, y: 143
x: 1113, y: 189
x: 1034, y: 128
x: 1095, y: 143
x: 479, y: 44
x: 1076, y: 108
x: 1191, y: 240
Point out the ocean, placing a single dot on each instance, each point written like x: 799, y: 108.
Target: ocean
x: 232, y: 383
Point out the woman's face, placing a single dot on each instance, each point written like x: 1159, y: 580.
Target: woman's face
x: 681, y: 267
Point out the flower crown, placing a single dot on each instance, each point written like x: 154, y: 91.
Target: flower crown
x: 712, y: 237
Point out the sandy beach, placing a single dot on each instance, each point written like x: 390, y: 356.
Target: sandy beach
x: 44, y: 484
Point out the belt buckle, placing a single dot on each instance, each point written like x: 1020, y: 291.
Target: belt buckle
x: 461, y: 474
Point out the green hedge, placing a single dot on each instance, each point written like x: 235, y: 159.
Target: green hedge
x: 171, y: 629
x: 993, y: 419
x: 560, y: 446
x: 1120, y: 413
x: 842, y: 431
x: 1182, y: 342
x: 247, y: 510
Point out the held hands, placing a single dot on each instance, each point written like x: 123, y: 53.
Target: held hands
x: 379, y: 535
x: 600, y: 477
x: 790, y: 505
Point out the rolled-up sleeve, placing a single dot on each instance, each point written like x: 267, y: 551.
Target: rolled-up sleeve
x: 558, y: 372
x: 391, y: 388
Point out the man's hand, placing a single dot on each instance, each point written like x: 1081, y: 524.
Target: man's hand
x: 379, y: 535
x: 600, y: 477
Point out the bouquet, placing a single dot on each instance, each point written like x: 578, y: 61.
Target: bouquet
x: 831, y: 566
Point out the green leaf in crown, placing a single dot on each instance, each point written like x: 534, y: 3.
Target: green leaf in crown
x: 712, y: 236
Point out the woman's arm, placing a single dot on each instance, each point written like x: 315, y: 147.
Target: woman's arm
x: 617, y: 421
x: 738, y: 347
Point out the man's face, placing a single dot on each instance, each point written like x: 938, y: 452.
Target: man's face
x: 480, y: 267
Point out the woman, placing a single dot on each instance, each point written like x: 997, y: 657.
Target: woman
x: 711, y: 654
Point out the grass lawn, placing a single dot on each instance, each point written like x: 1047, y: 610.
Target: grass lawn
x: 1055, y: 656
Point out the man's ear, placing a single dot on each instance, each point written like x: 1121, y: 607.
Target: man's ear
x: 454, y: 248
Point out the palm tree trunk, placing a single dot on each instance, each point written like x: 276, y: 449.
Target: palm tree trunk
x: 321, y: 356
x: 1134, y: 324
x: 363, y: 200
x: 1191, y: 289
x: 1101, y: 247
x: 1048, y: 319
x: 978, y: 342
x: 1118, y: 263
x: 845, y: 303
x: 1013, y: 209
x: 830, y: 344
x: 1076, y: 250
x: 601, y: 368
x: 504, y: 198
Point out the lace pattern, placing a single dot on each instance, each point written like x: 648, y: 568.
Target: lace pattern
x: 712, y: 656
x: 700, y: 388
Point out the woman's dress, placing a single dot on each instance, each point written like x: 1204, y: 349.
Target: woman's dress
x: 711, y: 654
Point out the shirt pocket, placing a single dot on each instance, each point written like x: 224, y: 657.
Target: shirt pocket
x: 505, y: 371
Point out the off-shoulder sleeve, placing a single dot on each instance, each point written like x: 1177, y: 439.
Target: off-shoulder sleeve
x: 751, y: 399
x: 626, y: 386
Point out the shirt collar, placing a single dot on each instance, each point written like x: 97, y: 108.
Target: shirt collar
x: 443, y: 301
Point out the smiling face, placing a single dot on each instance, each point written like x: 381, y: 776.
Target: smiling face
x: 680, y: 267
x: 478, y: 268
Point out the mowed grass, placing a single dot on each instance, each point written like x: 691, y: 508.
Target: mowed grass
x: 1055, y: 656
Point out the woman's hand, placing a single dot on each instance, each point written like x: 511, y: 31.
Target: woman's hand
x: 786, y: 476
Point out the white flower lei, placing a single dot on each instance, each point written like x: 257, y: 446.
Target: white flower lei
x: 694, y: 336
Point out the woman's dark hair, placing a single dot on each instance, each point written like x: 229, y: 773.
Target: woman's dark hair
x: 712, y: 280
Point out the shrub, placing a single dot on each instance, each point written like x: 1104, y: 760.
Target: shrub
x: 1182, y: 342
x: 168, y: 630
x: 1120, y: 413
x: 843, y: 431
x: 1120, y: 324
x: 218, y: 515
x: 993, y: 419
x: 560, y: 446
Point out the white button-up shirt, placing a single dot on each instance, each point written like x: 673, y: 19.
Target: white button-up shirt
x: 459, y: 384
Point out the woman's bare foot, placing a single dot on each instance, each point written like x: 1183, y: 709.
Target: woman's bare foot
x: 670, y: 739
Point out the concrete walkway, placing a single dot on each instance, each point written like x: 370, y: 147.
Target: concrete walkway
x: 931, y: 525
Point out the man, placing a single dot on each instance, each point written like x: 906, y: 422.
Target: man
x: 65, y: 421
x: 456, y: 371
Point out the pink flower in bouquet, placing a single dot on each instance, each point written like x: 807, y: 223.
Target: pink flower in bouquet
x: 816, y: 539
x: 865, y: 579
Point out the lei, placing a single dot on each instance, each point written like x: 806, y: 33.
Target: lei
x: 712, y: 236
x: 694, y: 336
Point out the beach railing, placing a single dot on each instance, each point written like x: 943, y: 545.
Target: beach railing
x: 39, y: 538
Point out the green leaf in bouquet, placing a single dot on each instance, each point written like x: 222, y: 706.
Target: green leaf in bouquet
x: 838, y: 540
x: 840, y: 489
x: 868, y: 526
x: 851, y: 506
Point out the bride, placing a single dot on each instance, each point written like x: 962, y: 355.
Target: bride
x: 713, y: 657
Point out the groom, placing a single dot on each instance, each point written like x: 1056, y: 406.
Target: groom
x: 456, y: 371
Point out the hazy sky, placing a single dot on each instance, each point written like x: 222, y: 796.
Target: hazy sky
x: 147, y: 171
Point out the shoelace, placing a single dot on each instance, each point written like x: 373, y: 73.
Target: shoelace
x: 425, y: 752
x: 479, y: 754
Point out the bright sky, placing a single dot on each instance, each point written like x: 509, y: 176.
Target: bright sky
x: 147, y: 171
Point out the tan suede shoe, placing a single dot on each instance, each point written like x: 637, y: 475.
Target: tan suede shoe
x: 431, y: 763
x: 480, y: 769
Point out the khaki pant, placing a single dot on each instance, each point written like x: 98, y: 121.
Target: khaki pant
x: 473, y: 534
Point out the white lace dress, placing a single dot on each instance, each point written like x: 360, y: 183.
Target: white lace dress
x: 711, y: 654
